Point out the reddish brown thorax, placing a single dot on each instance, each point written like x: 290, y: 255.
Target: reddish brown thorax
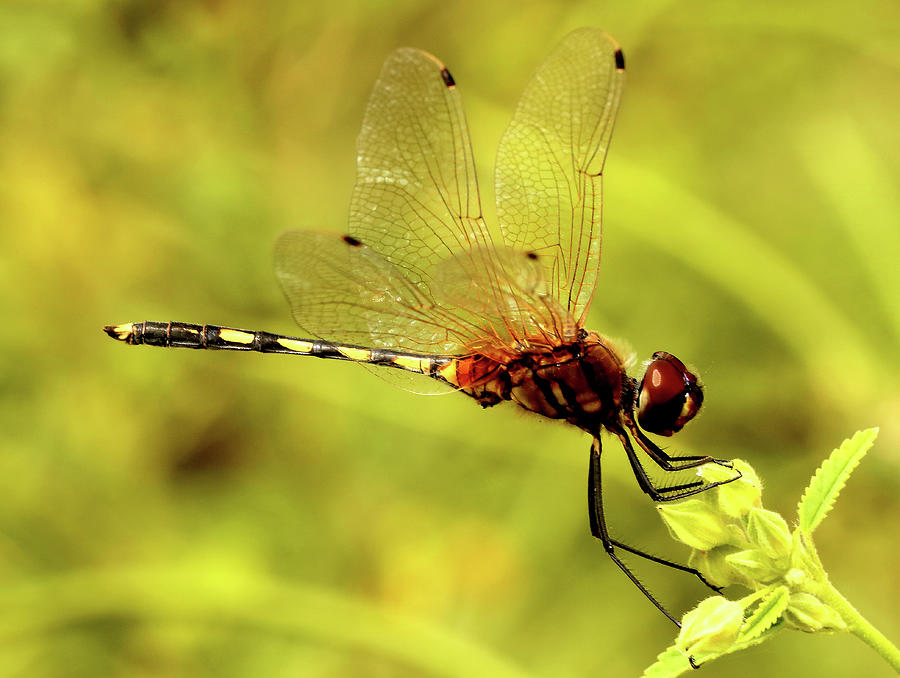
x: 583, y: 382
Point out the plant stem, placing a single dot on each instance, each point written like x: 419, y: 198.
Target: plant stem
x: 857, y: 624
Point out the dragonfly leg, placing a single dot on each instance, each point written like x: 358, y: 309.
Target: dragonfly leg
x: 672, y: 492
x: 668, y: 563
x: 599, y: 530
x: 664, y: 461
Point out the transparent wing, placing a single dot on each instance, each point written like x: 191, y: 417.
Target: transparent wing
x: 417, y: 271
x: 550, y: 162
x: 481, y: 299
x: 416, y: 199
x: 346, y: 293
x: 503, y: 293
x: 343, y: 291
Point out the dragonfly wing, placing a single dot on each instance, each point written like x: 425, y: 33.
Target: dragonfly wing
x: 343, y: 291
x: 416, y: 202
x: 550, y: 163
x: 416, y: 238
x: 418, y: 270
x: 503, y: 292
x: 416, y: 198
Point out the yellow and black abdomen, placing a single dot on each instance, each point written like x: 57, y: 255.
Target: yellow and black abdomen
x: 187, y: 335
x: 214, y: 337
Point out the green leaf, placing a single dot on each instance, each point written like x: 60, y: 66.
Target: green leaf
x: 743, y: 644
x: 764, y: 617
x: 668, y: 664
x: 672, y: 662
x: 831, y: 477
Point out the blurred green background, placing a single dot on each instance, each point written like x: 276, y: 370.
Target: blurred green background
x: 177, y: 513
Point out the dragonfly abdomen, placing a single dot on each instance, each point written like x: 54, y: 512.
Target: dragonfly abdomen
x: 214, y: 337
x: 188, y: 335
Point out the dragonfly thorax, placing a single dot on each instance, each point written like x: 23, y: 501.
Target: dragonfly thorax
x: 583, y: 382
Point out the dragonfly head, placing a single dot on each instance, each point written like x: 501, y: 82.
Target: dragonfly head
x: 669, y: 396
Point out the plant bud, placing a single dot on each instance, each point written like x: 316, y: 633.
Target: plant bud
x: 755, y: 565
x: 738, y: 497
x: 769, y: 532
x: 710, y: 628
x: 695, y: 523
x: 807, y: 613
x: 717, y: 570
x: 802, y: 558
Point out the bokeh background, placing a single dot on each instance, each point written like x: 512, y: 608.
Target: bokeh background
x: 177, y: 513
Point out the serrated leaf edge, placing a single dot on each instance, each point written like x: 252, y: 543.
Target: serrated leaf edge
x: 765, y: 615
x: 830, y: 478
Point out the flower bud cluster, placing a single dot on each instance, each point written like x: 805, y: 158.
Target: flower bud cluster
x: 734, y: 540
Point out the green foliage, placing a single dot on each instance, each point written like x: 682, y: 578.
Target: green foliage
x: 830, y: 478
x: 790, y: 587
x: 766, y: 614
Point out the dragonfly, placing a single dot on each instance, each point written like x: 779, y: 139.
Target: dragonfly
x: 422, y: 285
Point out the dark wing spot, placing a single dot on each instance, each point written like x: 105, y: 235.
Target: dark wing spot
x: 448, y: 79
x: 620, y: 60
x: 531, y: 255
x: 353, y: 242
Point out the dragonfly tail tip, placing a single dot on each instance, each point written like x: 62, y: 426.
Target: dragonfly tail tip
x: 119, y: 332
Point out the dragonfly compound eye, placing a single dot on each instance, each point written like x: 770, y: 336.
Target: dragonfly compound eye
x: 669, y: 397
